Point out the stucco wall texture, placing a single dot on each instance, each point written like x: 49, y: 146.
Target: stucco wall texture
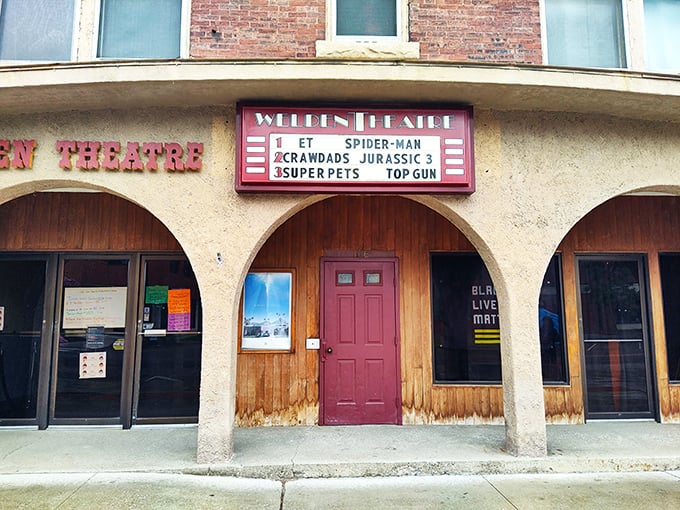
x: 537, y: 175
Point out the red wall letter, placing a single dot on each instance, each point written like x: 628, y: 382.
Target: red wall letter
x: 4, y: 149
x: 66, y: 148
x: 132, y: 160
x: 194, y: 151
x: 173, y: 157
x: 111, y: 150
x: 152, y: 150
x: 87, y: 155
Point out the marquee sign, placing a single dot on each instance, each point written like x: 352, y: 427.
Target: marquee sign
x: 377, y: 150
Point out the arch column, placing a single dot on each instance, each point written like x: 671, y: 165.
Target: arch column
x: 523, y: 398
x: 218, y: 367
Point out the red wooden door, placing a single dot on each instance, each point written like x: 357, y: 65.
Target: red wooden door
x: 359, y: 347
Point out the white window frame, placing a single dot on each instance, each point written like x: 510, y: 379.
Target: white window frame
x: 643, y: 46
x: 401, y: 7
x: 74, y: 38
x: 185, y: 27
x: 627, y: 7
x: 366, y: 47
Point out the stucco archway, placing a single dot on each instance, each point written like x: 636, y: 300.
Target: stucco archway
x: 91, y: 259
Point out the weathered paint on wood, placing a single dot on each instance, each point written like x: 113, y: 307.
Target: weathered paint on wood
x: 282, y: 388
x: 637, y: 224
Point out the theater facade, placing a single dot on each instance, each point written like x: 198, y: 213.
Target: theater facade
x: 336, y: 238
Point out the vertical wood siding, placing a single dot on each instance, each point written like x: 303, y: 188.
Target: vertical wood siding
x: 80, y: 222
x: 282, y: 388
x: 647, y: 225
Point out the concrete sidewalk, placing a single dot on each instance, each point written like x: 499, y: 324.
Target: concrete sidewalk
x: 124, y: 491
x: 285, y: 453
x: 599, y: 465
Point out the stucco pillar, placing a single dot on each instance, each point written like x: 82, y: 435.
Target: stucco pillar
x: 218, y: 380
x: 523, y: 402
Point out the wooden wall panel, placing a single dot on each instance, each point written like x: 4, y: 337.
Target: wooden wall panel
x: 564, y: 403
x: 80, y: 222
x: 645, y: 224
x: 351, y: 224
x: 282, y: 389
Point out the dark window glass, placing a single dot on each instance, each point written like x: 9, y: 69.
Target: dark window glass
x: 22, y: 292
x: 612, y: 318
x: 465, y: 320
x: 465, y: 329
x: 366, y: 18
x: 170, y: 369
x: 669, y: 265
x: 93, y: 284
x: 551, y: 326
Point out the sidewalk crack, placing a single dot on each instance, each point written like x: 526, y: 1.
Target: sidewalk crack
x: 74, y: 491
x: 18, y: 448
x: 499, y: 492
x: 283, y: 493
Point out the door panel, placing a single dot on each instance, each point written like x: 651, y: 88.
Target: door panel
x: 68, y: 350
x: 91, y: 341
x: 614, y: 332
x: 359, y: 379
x: 169, y: 361
x: 22, y: 296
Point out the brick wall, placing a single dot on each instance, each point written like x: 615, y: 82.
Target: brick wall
x: 458, y: 30
x: 480, y: 30
x: 256, y: 28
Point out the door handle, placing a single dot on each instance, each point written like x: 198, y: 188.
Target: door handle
x: 329, y: 350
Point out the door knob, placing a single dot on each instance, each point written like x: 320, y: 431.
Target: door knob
x: 329, y: 350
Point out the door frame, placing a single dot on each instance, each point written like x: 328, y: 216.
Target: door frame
x: 139, y: 340
x: 46, y: 334
x: 125, y: 414
x: 322, y: 324
x: 647, y: 334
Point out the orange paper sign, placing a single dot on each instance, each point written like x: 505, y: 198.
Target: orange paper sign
x: 179, y: 301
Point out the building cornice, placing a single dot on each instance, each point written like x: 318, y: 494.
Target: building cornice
x: 191, y: 83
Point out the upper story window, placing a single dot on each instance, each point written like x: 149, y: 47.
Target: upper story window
x: 140, y: 28
x: 36, y: 30
x: 366, y: 20
x: 585, y: 33
x: 662, y: 37
x: 370, y: 29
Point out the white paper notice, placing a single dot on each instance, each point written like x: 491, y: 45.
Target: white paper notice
x: 2, y: 318
x: 94, y: 306
x: 92, y: 365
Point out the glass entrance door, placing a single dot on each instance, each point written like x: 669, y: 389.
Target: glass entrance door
x: 24, y: 339
x: 615, y: 337
x: 168, y: 368
x: 92, y: 341
x: 98, y: 339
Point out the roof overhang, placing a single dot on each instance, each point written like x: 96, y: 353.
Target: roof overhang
x: 191, y: 83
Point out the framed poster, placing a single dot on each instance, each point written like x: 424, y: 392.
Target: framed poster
x: 267, y: 311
